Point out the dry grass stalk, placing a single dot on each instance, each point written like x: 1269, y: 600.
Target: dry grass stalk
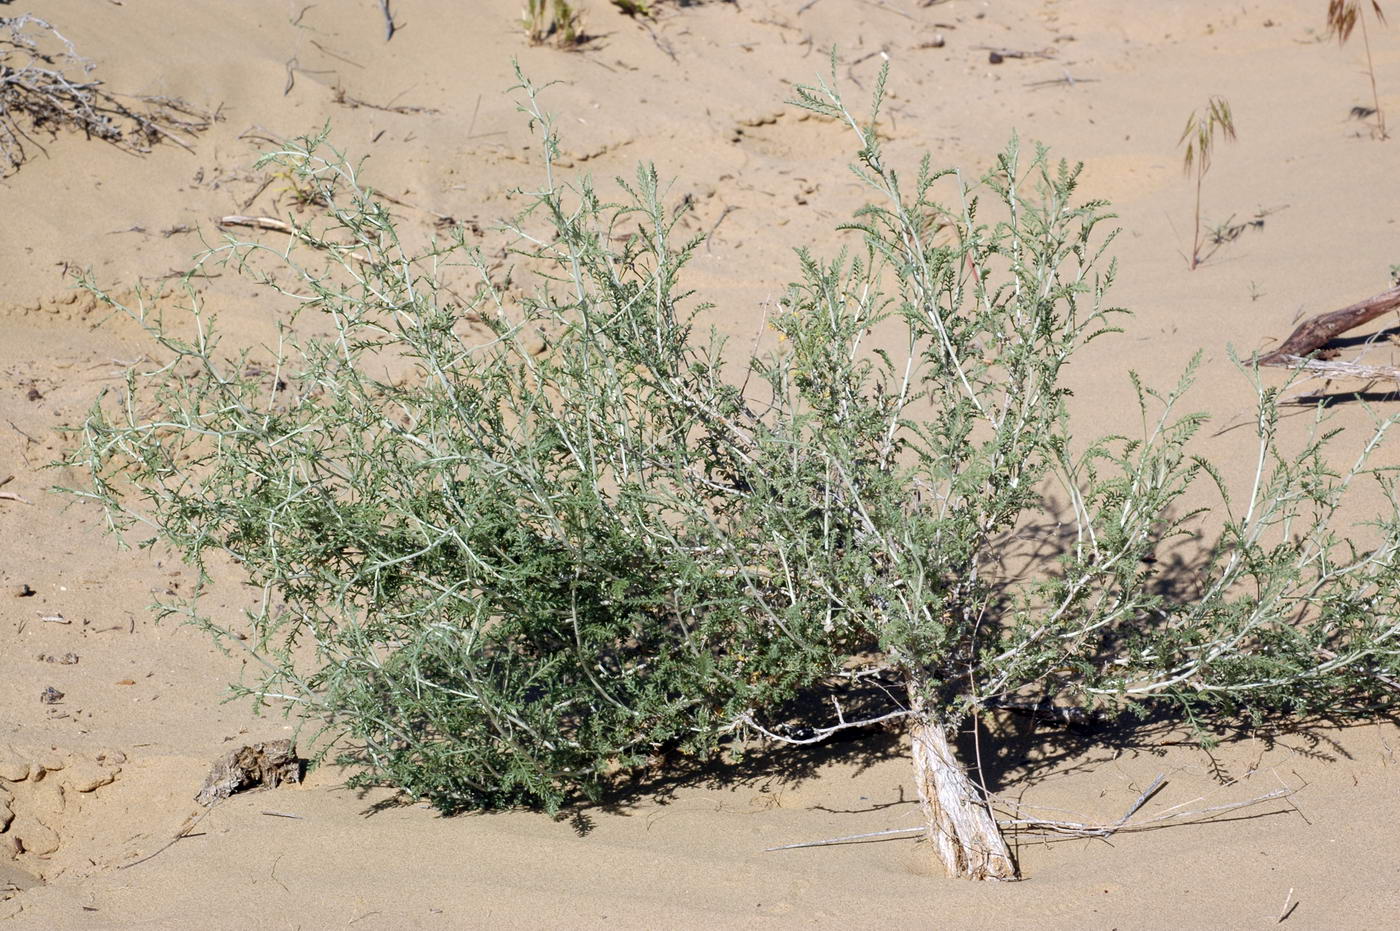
x: 1200, y: 133
x: 1342, y: 19
x: 45, y: 85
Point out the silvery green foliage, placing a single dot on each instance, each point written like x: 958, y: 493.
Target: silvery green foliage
x: 511, y: 545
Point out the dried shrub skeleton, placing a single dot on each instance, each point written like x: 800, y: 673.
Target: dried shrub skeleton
x: 45, y: 86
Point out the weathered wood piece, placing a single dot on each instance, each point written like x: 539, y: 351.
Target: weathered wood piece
x: 1315, y: 332
x: 957, y: 817
x: 258, y: 223
x: 260, y: 765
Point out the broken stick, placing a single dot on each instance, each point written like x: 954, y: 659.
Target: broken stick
x: 261, y: 223
x: 390, y: 27
x: 1315, y: 332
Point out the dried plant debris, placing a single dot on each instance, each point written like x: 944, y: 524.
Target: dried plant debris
x: 45, y: 86
x: 260, y: 765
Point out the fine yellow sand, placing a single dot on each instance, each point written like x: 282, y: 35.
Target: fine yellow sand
x: 700, y: 91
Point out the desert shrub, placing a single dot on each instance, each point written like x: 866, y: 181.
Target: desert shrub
x: 511, y: 544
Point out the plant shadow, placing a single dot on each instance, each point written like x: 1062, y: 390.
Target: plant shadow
x: 1006, y: 749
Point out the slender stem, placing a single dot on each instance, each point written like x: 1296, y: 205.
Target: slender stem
x: 1371, y: 72
x: 1196, y: 237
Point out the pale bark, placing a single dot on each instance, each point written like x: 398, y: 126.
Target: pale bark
x: 961, y: 828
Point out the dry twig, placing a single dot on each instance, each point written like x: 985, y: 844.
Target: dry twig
x: 1338, y: 368
x: 190, y: 825
x: 884, y: 6
x: 1068, y: 80
x: 1288, y: 906
x: 346, y: 100
x: 45, y: 85
x: 1001, y: 52
x: 1126, y: 825
x: 818, y: 734
x: 258, y: 223
x: 390, y: 27
x: 1123, y: 825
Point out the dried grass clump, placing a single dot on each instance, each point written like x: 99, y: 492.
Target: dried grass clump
x: 46, y: 85
x: 553, y: 19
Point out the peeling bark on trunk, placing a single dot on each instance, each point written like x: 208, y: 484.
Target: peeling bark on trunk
x: 964, y: 834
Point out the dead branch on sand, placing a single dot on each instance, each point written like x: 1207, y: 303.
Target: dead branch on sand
x: 1339, y: 368
x: 45, y: 85
x: 258, y: 223
x: 1315, y: 332
x: 1175, y: 815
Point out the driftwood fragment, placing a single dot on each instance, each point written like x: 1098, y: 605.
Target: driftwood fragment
x: 1315, y: 332
x: 260, y: 765
x: 259, y: 223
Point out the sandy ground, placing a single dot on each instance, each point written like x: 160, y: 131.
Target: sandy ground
x: 701, y: 92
